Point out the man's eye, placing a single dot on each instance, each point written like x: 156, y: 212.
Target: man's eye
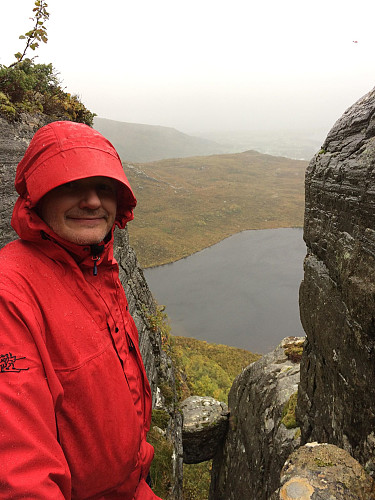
x: 66, y: 186
x: 105, y: 187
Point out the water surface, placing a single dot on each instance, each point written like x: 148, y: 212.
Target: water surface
x: 241, y: 292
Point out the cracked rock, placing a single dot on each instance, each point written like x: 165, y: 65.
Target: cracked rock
x: 205, y: 422
x: 336, y: 400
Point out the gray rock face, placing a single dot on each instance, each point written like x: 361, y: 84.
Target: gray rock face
x: 336, y: 401
x: 324, y: 472
x: 158, y: 365
x: 258, y: 441
x: 205, y: 422
x: 14, y: 139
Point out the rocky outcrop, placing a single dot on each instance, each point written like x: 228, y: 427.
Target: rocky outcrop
x: 158, y: 365
x: 205, y: 423
x: 324, y: 472
x: 14, y: 139
x: 262, y: 430
x: 336, y: 402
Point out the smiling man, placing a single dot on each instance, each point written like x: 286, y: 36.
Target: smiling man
x: 81, y: 211
x: 75, y: 403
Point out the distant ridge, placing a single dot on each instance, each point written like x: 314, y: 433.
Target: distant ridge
x: 187, y: 204
x: 143, y: 143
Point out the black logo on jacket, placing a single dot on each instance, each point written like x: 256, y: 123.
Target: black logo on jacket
x: 8, y: 363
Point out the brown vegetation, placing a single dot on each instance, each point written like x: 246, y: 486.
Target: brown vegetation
x: 187, y: 204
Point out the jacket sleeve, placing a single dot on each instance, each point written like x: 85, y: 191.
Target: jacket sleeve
x: 144, y: 492
x: 32, y: 463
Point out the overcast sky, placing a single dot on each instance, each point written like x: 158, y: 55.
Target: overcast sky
x: 207, y: 65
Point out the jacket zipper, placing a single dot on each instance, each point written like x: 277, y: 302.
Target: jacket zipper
x: 96, y: 259
x: 119, y: 357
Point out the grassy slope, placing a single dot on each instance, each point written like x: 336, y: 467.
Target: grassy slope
x: 201, y: 368
x: 210, y: 368
x: 187, y: 204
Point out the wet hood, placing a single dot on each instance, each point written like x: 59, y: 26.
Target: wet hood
x: 63, y: 152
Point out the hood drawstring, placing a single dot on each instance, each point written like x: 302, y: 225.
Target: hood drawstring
x: 96, y: 251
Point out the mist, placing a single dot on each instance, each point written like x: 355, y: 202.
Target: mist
x: 211, y: 66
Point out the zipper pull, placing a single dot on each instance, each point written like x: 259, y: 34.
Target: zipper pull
x: 95, y: 258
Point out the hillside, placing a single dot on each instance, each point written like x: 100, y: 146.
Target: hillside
x: 185, y: 205
x: 209, y: 368
x: 142, y: 143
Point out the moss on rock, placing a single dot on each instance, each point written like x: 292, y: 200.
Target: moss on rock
x: 289, y: 412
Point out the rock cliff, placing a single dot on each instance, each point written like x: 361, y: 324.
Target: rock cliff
x: 14, y: 139
x: 336, y: 402
x: 336, y: 393
x: 262, y: 432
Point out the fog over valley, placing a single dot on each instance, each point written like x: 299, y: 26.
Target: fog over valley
x: 208, y: 67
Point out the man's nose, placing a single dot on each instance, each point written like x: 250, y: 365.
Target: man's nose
x: 90, y: 199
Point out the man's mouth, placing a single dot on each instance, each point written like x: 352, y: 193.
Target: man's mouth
x: 87, y: 217
x: 88, y: 221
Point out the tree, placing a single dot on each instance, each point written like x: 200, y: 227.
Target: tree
x: 38, y: 33
x: 36, y: 88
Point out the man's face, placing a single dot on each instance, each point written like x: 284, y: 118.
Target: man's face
x: 83, y: 211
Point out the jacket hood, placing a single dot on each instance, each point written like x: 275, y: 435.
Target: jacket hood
x: 62, y: 152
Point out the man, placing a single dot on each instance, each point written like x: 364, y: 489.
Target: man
x: 75, y: 402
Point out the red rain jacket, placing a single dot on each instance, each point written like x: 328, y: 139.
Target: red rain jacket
x: 75, y: 403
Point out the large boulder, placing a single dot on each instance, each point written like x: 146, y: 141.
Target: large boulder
x: 325, y: 472
x: 205, y: 423
x: 262, y: 430
x: 336, y: 402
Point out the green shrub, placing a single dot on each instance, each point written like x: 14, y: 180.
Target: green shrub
x: 294, y: 351
x: 197, y: 478
x: 6, y: 107
x: 210, y: 368
x: 35, y: 88
x: 160, y: 418
x: 162, y: 466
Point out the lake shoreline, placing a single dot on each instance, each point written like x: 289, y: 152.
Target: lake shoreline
x: 223, y: 239
x: 241, y: 292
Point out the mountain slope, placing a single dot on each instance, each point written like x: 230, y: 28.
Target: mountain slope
x: 187, y: 204
x: 142, y: 143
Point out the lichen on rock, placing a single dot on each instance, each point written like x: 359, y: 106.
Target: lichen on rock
x: 324, y: 471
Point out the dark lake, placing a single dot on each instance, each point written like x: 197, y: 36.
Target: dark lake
x: 241, y: 292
